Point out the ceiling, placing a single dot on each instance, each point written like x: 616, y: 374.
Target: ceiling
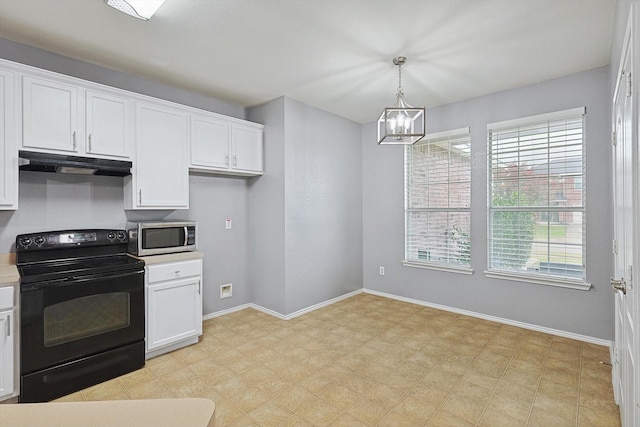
x: 332, y: 54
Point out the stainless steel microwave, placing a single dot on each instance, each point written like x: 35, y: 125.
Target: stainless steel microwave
x: 161, y: 237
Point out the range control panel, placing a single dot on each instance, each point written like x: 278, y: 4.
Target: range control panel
x: 69, y: 239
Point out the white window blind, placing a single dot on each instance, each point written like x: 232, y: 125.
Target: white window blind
x: 438, y: 199
x: 536, y: 196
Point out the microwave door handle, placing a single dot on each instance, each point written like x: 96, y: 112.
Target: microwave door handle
x: 186, y: 235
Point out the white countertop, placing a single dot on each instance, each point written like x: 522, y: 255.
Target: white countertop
x: 193, y: 412
x: 180, y: 256
x: 8, y: 271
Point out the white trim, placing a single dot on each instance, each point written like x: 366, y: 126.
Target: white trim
x: 537, y: 280
x: 556, y: 115
x: 557, y: 332
x: 279, y: 315
x: 225, y: 312
x: 439, y: 267
x: 448, y: 133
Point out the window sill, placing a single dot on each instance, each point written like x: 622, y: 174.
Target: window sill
x: 560, y: 283
x: 439, y: 267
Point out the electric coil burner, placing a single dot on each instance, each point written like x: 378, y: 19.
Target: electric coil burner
x: 81, y: 311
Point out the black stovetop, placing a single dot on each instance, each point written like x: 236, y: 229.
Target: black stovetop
x: 68, y: 269
x: 71, y: 254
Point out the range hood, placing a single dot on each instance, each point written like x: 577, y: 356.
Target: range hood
x: 57, y: 163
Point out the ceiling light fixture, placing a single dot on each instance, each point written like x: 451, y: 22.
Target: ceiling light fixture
x: 141, y: 9
x: 401, y: 124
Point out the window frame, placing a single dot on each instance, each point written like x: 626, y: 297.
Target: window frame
x: 533, y: 276
x: 431, y: 264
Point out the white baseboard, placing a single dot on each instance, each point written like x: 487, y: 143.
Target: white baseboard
x: 523, y: 325
x: 227, y: 311
x: 279, y: 315
x: 308, y: 309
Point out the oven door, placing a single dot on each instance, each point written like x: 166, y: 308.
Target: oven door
x: 65, y: 321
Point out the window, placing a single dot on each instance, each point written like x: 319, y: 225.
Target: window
x: 536, y: 196
x: 437, y: 200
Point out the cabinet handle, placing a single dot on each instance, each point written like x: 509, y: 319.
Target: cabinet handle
x: 9, y: 325
x: 198, y: 287
x: 139, y: 197
x: 73, y: 135
x: 177, y: 272
x: 235, y: 160
x: 89, y: 138
x: 226, y: 160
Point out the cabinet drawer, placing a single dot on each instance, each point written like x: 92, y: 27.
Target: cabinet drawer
x: 174, y: 270
x: 6, y: 297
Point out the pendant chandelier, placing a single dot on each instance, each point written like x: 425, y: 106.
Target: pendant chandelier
x: 401, y: 124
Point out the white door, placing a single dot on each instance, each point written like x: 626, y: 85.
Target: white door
x: 209, y: 142
x: 6, y: 352
x: 246, y: 148
x: 162, y: 171
x: 8, y: 148
x: 174, y: 312
x: 108, y: 130
x: 625, y: 207
x: 50, y: 115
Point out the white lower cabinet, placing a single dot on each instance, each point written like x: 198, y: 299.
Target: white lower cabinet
x: 173, y: 305
x: 7, y: 340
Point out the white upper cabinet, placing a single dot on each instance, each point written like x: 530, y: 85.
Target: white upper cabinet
x: 8, y: 150
x: 61, y: 117
x: 161, y: 176
x: 108, y: 124
x: 246, y: 148
x: 209, y: 142
x: 226, y: 146
x: 50, y: 115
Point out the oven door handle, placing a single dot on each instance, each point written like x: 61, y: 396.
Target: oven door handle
x: 76, y: 279
x: 68, y: 281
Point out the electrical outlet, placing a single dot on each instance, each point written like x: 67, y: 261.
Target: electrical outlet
x: 226, y: 291
x: 227, y: 224
x: 381, y: 270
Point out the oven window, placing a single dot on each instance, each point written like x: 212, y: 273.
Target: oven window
x: 169, y: 237
x: 85, y: 317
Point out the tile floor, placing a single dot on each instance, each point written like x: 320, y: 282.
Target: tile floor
x: 372, y: 361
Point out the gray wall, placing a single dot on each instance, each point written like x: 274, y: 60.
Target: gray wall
x: 323, y: 205
x: 266, y: 217
x: 306, y: 210
x: 584, y: 312
x: 53, y: 202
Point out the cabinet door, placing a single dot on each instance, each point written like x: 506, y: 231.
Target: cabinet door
x: 209, y: 142
x: 174, y: 311
x: 246, y: 148
x: 50, y: 115
x: 162, y: 171
x: 107, y: 118
x: 6, y: 352
x: 8, y: 149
